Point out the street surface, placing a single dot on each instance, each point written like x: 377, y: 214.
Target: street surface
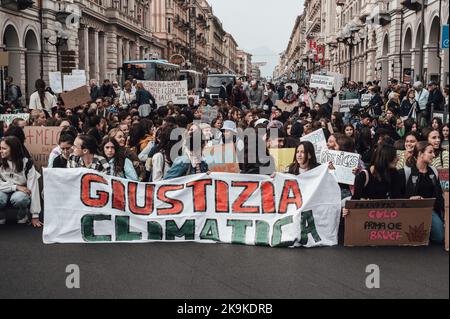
x: 31, y: 269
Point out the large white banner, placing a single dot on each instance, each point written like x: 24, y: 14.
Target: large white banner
x: 229, y: 208
x: 165, y: 91
x: 321, y: 82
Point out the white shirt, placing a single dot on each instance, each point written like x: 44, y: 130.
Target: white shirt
x: 422, y: 99
x: 49, y: 101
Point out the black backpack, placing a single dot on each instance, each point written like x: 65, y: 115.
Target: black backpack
x: 19, y: 92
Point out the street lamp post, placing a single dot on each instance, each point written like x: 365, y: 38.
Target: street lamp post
x: 349, y: 37
x: 61, y: 39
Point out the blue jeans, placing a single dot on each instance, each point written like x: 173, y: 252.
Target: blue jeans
x: 18, y: 200
x: 437, y: 228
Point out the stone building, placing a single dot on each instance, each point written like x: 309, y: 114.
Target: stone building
x: 230, y: 54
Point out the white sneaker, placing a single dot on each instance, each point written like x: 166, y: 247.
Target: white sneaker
x: 23, y: 220
x: 3, y: 221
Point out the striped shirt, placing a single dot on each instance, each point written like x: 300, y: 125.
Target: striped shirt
x: 99, y: 163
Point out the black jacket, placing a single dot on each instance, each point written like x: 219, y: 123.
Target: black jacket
x: 410, y: 188
x: 377, y: 104
x: 223, y: 93
x: 107, y: 91
x: 436, y: 99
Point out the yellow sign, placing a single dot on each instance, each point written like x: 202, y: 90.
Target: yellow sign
x: 283, y: 157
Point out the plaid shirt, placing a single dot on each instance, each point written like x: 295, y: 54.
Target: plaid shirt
x: 99, y: 163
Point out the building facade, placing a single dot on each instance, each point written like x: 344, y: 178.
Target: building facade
x: 230, y: 54
x: 368, y: 40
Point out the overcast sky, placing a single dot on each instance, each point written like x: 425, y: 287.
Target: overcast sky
x: 262, y: 27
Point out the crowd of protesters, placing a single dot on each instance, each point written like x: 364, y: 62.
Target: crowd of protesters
x: 123, y: 133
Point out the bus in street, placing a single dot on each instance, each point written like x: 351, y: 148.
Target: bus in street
x: 149, y: 70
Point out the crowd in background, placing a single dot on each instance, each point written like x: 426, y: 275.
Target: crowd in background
x: 399, y: 134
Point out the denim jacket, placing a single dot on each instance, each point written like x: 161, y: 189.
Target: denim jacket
x: 182, y: 167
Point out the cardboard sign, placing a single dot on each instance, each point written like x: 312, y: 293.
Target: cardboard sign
x: 40, y: 141
x: 398, y: 222
x: 165, y: 91
x: 343, y: 162
x: 71, y: 82
x: 76, y: 97
x: 4, y: 59
x: 9, y: 118
x: 317, y: 138
x: 346, y: 105
x: 55, y: 81
x: 285, y: 107
x: 283, y: 157
x: 443, y: 178
x: 321, y: 82
x: 222, y: 158
x: 365, y: 99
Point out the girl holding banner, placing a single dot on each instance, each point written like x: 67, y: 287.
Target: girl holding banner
x: 304, y: 159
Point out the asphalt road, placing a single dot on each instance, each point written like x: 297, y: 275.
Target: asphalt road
x: 30, y: 269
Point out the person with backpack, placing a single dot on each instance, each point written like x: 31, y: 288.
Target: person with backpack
x: 19, y: 185
x: 13, y: 93
x: 381, y: 180
x: 420, y: 180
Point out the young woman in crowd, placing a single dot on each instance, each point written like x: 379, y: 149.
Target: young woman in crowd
x: 304, y: 159
x: 127, y: 96
x: 411, y: 139
x: 436, y: 124
x: 191, y: 162
x: 65, y: 145
x: 409, y: 106
x: 18, y: 132
x: 433, y: 137
x: 444, y: 134
x: 162, y: 160
x: 420, y: 180
x: 337, y: 122
x: 381, y: 180
x: 120, y: 166
x: 349, y: 130
x: 19, y: 185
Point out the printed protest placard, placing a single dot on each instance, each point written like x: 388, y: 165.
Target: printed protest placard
x: 8, y: 118
x: 72, y: 82
x: 222, y: 158
x: 55, y: 81
x: 321, y: 82
x: 396, y: 222
x: 317, y: 138
x: 283, y: 157
x: 76, y: 97
x: 365, y: 99
x: 165, y: 91
x: 346, y: 105
x: 343, y: 162
x: 279, y: 211
x: 40, y: 141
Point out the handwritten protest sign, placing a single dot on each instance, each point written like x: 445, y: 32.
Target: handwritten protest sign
x: 321, y: 82
x: 165, y: 91
x: 317, y: 138
x: 343, y: 162
x: 365, y: 99
x: 388, y: 222
x: 9, y: 118
x: 40, y: 141
x: 346, y: 105
x: 55, y: 81
x: 283, y: 157
x: 222, y: 158
x: 76, y: 97
x: 72, y: 82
